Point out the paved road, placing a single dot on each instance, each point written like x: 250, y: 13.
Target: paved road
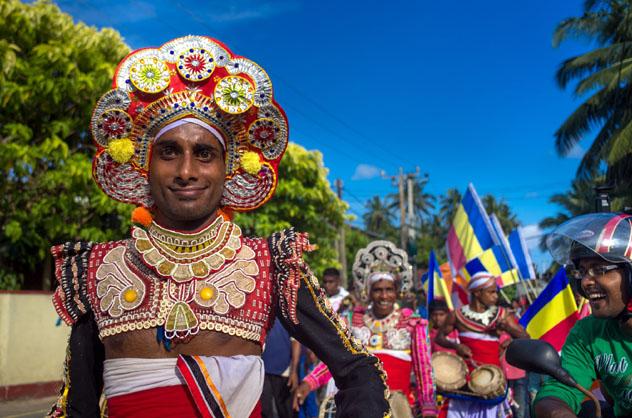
x: 29, y: 408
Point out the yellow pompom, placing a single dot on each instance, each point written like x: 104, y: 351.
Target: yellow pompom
x: 121, y: 150
x: 251, y: 162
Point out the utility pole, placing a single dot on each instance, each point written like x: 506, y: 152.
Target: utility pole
x: 341, y: 243
x: 402, y: 212
x: 405, y: 183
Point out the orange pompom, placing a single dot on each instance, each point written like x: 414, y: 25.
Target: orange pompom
x: 225, y: 213
x: 142, y: 216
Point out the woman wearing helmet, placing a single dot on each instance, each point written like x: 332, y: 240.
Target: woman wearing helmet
x: 597, y: 250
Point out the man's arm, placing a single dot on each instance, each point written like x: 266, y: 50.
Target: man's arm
x: 555, y: 399
x: 442, y: 339
x: 553, y: 408
x: 83, y: 374
x: 292, y: 381
x: 510, y: 325
x: 307, y: 315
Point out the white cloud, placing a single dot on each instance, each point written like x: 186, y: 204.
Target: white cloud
x: 576, y: 152
x: 366, y: 172
x: 531, y: 232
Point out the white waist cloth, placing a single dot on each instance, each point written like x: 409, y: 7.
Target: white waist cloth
x: 478, y: 336
x: 239, y: 379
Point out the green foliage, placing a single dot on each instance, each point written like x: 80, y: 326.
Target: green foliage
x: 605, y: 76
x: 52, y: 71
x: 303, y: 199
x: 379, y: 219
x: 500, y: 208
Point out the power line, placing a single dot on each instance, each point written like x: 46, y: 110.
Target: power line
x: 380, y: 150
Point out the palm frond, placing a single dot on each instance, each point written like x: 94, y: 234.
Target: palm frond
x: 587, y: 26
x: 583, y: 65
x: 597, y: 152
x: 588, y: 115
x: 621, y: 145
x: 609, y: 78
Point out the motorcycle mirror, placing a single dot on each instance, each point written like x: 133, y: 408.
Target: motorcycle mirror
x: 539, y: 357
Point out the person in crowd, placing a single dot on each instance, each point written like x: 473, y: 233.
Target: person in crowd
x: 439, y: 312
x: 332, y: 284
x: 171, y: 321
x: 395, y: 335
x: 597, y: 250
x: 480, y: 324
x: 281, y: 358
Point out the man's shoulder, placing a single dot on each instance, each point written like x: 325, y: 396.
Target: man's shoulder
x: 592, y: 326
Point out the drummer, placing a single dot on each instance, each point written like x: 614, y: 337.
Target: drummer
x: 479, y: 324
x: 438, y: 312
x: 395, y: 335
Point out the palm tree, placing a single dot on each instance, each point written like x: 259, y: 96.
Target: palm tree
x: 423, y: 202
x: 500, y: 208
x: 605, y: 74
x: 449, y: 203
x: 378, y: 218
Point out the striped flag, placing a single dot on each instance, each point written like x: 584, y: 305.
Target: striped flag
x: 553, y: 313
x: 435, y: 284
x: 504, y: 244
x: 471, y: 232
x: 495, y: 262
x: 521, y: 254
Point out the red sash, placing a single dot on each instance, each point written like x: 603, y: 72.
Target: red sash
x: 167, y: 401
x: 397, y: 372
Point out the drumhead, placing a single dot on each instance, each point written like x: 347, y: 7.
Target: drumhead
x: 487, y: 380
x: 449, y: 371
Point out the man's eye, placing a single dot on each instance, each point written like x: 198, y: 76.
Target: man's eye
x: 167, y: 152
x: 206, y: 154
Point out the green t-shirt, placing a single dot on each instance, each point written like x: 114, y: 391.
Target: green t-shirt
x: 595, y: 349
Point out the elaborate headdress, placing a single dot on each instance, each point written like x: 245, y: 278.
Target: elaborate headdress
x: 381, y: 260
x: 190, y: 77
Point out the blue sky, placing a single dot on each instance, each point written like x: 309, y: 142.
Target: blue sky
x: 464, y: 90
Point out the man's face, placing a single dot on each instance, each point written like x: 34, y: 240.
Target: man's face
x: 383, y: 296
x: 608, y: 292
x: 488, y: 296
x: 331, y: 283
x: 186, y: 176
x: 438, y: 317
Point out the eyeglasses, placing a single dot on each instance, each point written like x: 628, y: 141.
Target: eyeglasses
x: 595, y: 271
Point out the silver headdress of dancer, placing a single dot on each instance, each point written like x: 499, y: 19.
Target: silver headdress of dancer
x: 381, y: 260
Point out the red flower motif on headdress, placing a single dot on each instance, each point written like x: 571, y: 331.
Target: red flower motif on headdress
x: 114, y: 125
x: 195, y: 63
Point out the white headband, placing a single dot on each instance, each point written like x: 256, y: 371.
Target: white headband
x: 481, y: 280
x: 374, y: 277
x: 198, y: 122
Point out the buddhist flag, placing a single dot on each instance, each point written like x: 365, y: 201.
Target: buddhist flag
x: 521, y: 254
x: 553, y: 313
x: 492, y: 261
x: 504, y: 244
x: 435, y: 284
x: 471, y: 231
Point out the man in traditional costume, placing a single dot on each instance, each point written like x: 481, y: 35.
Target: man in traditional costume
x: 396, y: 336
x: 479, y: 324
x: 170, y: 322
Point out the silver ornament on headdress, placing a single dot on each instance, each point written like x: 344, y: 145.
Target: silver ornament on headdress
x: 381, y: 257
